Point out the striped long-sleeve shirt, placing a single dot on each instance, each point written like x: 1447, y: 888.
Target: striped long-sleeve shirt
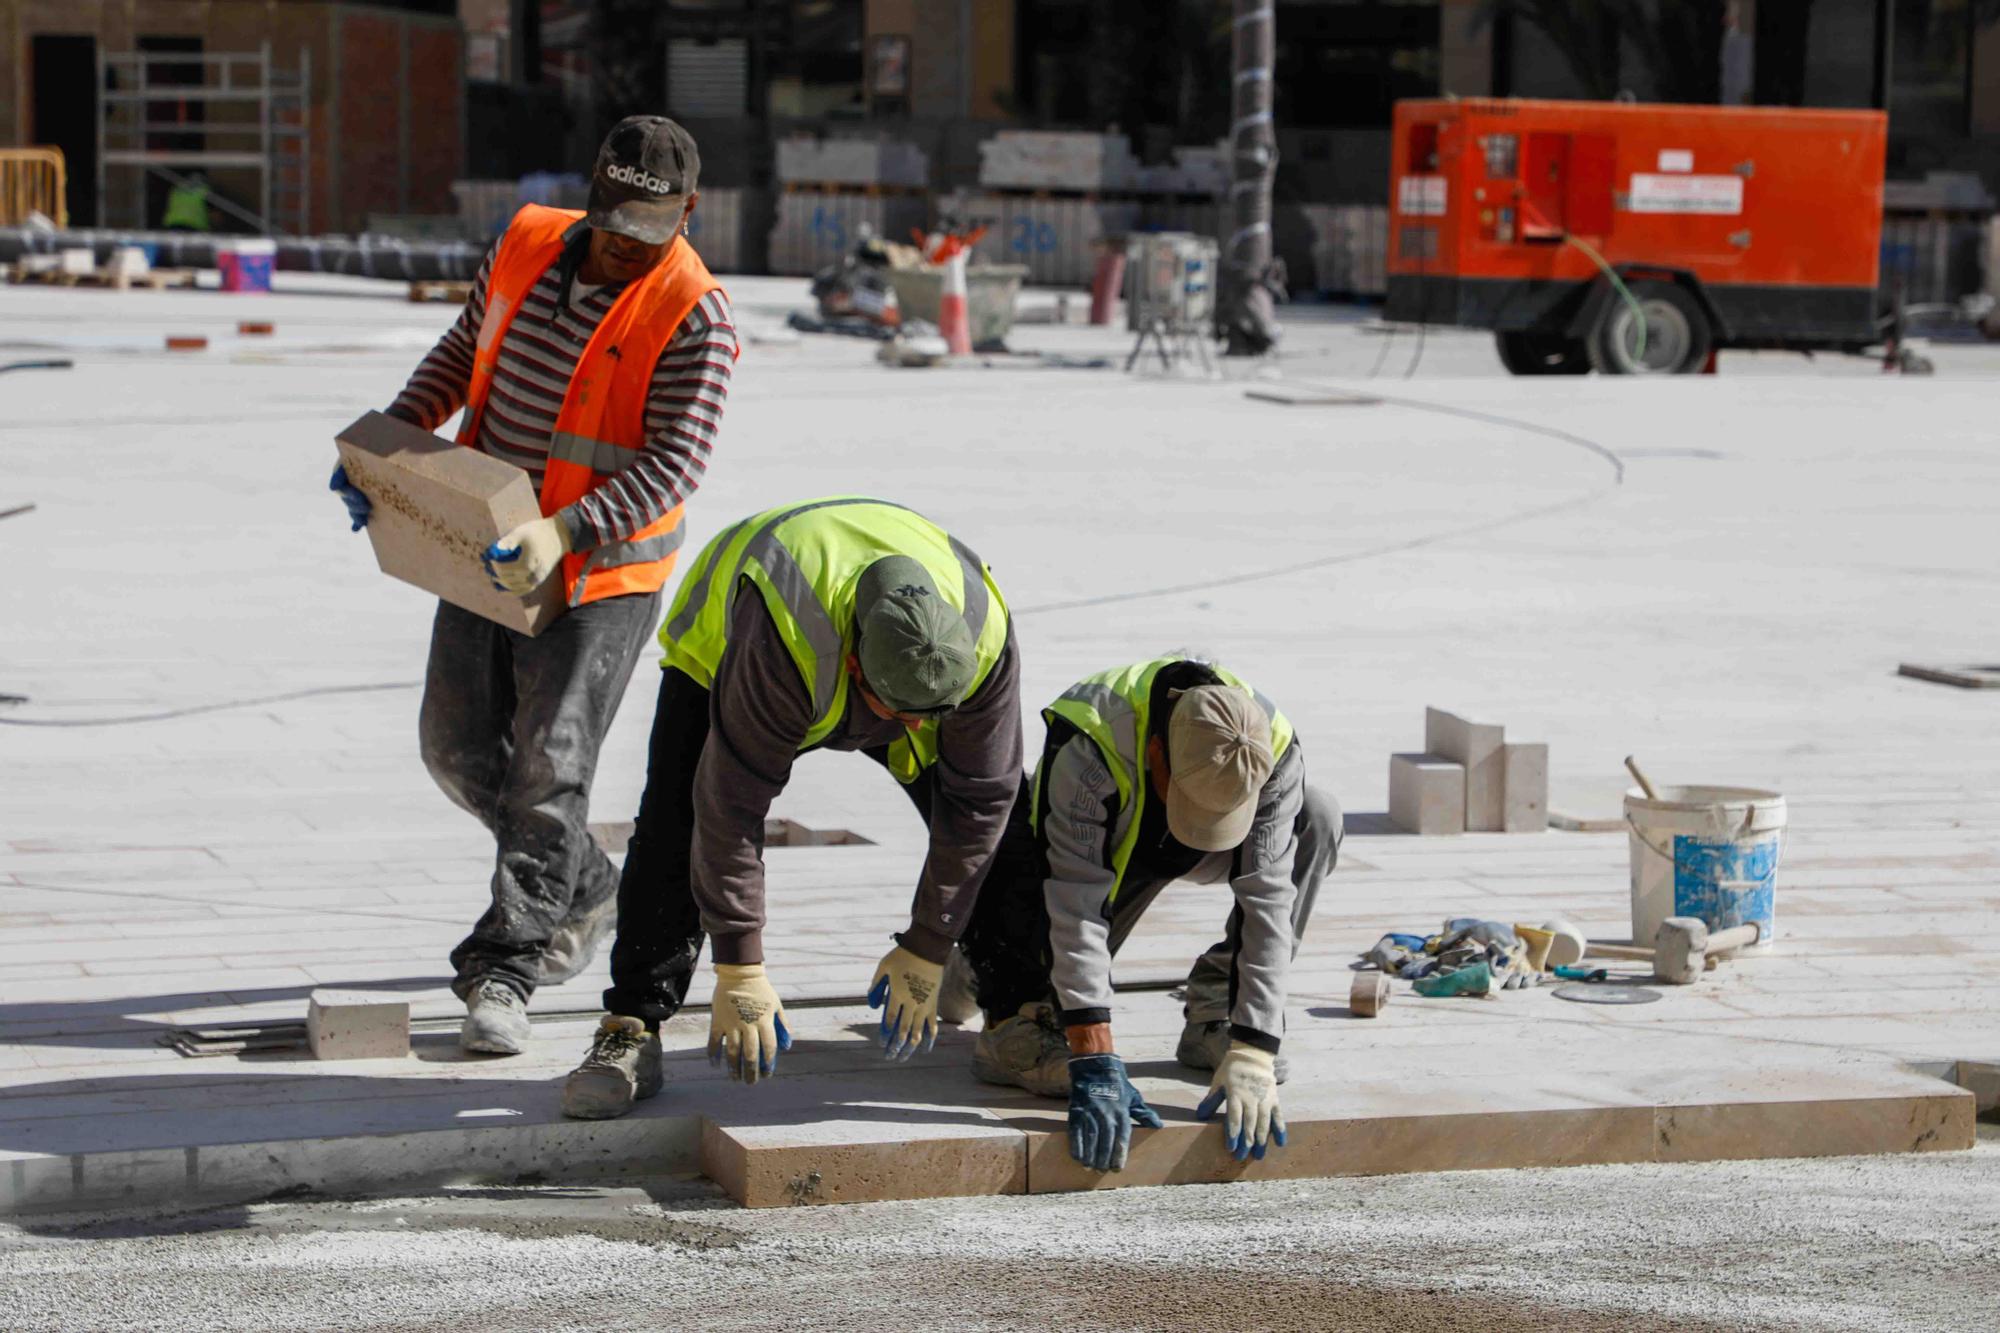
x: 537, y: 357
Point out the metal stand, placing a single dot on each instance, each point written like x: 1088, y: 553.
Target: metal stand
x: 1175, y: 345
x: 257, y: 117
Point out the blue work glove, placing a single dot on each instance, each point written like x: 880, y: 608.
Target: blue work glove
x: 1246, y: 1089
x: 1103, y: 1107
x: 357, y: 504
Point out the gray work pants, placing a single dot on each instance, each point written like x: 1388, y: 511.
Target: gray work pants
x: 510, y: 730
x: 1319, y: 829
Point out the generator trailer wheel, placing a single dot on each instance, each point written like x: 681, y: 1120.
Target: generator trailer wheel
x: 1677, y: 340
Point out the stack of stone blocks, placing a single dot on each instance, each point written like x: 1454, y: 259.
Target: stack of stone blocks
x: 1469, y: 780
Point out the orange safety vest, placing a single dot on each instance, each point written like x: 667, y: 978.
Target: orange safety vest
x: 602, y: 425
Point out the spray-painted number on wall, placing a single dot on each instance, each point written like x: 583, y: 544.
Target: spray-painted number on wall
x: 1033, y: 238
x: 828, y: 229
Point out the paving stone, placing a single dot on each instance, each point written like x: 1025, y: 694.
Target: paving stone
x: 357, y: 1025
x: 1426, y: 794
x: 1525, y: 787
x: 437, y: 507
x: 1479, y: 747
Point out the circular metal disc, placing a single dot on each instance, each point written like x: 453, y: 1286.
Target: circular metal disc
x: 1586, y: 993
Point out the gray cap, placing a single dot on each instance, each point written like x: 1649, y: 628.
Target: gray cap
x: 646, y: 169
x: 917, y: 653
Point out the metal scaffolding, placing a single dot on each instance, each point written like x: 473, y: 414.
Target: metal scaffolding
x: 254, y: 117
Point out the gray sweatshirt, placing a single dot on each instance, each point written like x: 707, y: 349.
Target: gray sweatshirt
x: 759, y: 714
x: 1084, y: 821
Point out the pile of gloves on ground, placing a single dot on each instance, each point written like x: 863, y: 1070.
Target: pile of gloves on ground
x: 1468, y: 957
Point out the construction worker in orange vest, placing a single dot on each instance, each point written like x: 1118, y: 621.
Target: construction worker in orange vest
x: 594, y: 352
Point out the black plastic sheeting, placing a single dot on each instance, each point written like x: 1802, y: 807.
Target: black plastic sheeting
x: 357, y: 256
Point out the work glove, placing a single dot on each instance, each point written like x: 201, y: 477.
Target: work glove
x: 519, y: 561
x: 1103, y: 1107
x: 746, y: 1023
x: 1247, y: 1082
x: 358, y: 507
x: 906, y: 990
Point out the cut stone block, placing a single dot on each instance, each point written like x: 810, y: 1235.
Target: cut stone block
x: 1426, y: 794
x: 357, y: 1025
x: 1479, y: 748
x: 864, y: 1154
x: 438, y: 506
x: 1526, y: 787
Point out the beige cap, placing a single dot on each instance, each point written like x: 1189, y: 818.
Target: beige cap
x: 1218, y: 756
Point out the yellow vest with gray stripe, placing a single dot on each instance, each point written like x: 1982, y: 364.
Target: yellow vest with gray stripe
x: 804, y: 560
x: 1113, y: 708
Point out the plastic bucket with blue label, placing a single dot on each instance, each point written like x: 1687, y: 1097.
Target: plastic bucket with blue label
x: 1707, y: 852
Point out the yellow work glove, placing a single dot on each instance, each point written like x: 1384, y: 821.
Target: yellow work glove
x: 746, y: 1023
x: 1247, y: 1079
x: 519, y: 561
x: 906, y: 990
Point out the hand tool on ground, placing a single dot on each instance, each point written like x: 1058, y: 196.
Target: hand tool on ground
x: 1644, y: 786
x: 1368, y: 994
x: 1683, y: 948
x: 1582, y: 973
x: 1568, y: 945
x: 1103, y: 1107
x: 1246, y: 1086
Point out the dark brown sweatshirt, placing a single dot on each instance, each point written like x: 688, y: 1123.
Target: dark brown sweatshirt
x: 759, y: 714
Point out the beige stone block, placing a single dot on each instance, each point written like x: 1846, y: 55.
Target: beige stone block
x: 438, y: 506
x: 1936, y: 1119
x: 1426, y: 794
x: 1479, y: 747
x: 1525, y: 784
x: 898, y: 1153
x: 1187, y: 1153
x: 357, y: 1025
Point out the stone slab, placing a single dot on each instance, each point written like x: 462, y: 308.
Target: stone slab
x: 1524, y: 787
x: 1479, y: 746
x: 1426, y: 794
x: 357, y: 1025
x: 438, y: 506
x: 864, y: 1153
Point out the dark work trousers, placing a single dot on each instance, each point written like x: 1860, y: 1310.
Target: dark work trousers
x: 1007, y: 940
x: 510, y: 730
x: 659, y: 927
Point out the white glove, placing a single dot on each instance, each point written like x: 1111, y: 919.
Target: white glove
x: 519, y: 561
x: 1247, y: 1079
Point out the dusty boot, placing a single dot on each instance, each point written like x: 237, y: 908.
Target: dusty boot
x: 1203, y: 1045
x: 958, y: 995
x: 623, y: 1067
x: 1028, y: 1051
x: 496, y: 1019
x: 576, y: 942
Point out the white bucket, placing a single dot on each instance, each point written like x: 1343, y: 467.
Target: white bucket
x: 1707, y: 852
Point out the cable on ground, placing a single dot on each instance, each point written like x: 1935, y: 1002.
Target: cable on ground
x: 195, y: 709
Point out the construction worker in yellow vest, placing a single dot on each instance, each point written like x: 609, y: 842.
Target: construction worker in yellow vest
x: 1170, y: 769
x: 594, y: 352
x: 845, y: 623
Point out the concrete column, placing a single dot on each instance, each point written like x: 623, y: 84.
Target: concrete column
x: 1465, y: 49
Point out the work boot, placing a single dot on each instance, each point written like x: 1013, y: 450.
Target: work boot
x: 1203, y: 1045
x: 623, y: 1067
x: 958, y: 993
x: 496, y: 1019
x: 576, y: 942
x: 1028, y: 1051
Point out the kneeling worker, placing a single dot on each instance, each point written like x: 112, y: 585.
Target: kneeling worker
x: 846, y: 624
x: 1170, y: 769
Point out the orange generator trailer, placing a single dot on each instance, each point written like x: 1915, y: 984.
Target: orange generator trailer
x: 1636, y: 239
